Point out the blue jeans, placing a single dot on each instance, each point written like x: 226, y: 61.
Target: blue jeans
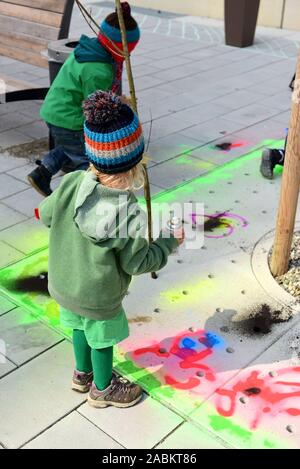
x: 69, y: 150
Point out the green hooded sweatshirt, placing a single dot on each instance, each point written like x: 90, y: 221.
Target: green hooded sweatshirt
x: 90, y: 263
x: 89, y: 68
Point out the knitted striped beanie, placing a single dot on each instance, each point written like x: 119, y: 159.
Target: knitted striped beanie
x: 114, y: 139
x: 110, y: 33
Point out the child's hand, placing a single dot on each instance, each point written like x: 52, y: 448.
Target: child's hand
x: 179, y: 235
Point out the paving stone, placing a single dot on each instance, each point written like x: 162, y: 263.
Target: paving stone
x: 21, y: 172
x: 238, y: 99
x: 8, y: 162
x: 251, y: 114
x: 218, y: 156
x: 9, y: 254
x: 265, y: 416
x: 283, y: 118
x: 263, y: 131
x: 6, y: 305
x: 140, y: 421
x: 25, y: 336
x: 14, y: 120
x: 34, y: 130
x: 25, y: 201
x: 170, y: 146
x: 212, y: 129
x: 44, y: 397
x: 177, y: 170
x: 9, y: 217
x: 9, y: 186
x: 202, y: 113
x: 153, y: 190
x: 165, y: 126
x: 6, y: 366
x: 26, y: 237
x: 188, y: 436
x: 73, y: 432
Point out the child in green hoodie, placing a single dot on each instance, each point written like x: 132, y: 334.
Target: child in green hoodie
x: 95, y: 64
x: 97, y: 242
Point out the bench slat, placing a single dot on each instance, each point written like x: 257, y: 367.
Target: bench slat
x: 30, y: 14
x: 14, y: 25
x: 23, y: 41
x: 50, y: 5
x: 24, y: 56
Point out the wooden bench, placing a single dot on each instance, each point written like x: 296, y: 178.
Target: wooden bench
x: 26, y: 28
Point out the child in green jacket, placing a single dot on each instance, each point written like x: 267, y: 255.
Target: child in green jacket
x: 95, y: 64
x: 97, y: 243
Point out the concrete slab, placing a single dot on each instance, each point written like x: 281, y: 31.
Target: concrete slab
x: 43, y: 399
x: 28, y: 236
x: 9, y: 186
x: 9, y: 254
x: 25, y: 201
x: 212, y: 129
x: 202, y: 113
x: 251, y: 114
x: 6, y: 366
x: 10, y: 138
x: 188, y: 436
x: 259, y: 407
x: 8, y: 162
x: 6, y: 305
x: 9, y: 217
x: 165, y: 126
x: 35, y: 130
x: 24, y: 336
x: 140, y: 422
x: 21, y: 172
x: 168, y: 147
x: 177, y: 170
x: 73, y: 432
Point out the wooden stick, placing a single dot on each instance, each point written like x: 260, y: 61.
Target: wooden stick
x: 289, y: 188
x: 134, y: 105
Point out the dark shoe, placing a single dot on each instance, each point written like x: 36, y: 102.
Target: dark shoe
x: 120, y: 393
x: 267, y: 165
x: 81, y: 381
x: 40, y: 179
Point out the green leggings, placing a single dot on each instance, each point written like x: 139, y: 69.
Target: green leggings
x: 99, y: 361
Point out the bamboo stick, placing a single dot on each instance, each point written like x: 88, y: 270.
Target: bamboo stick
x: 134, y: 105
x: 289, y: 188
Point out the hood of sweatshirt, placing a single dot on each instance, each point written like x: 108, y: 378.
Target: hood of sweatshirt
x: 90, y: 50
x: 101, y: 212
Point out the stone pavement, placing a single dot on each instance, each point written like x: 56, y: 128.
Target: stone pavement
x: 194, y: 93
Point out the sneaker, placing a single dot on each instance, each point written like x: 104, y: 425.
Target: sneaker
x: 120, y: 393
x: 40, y: 179
x: 267, y: 164
x: 82, y: 382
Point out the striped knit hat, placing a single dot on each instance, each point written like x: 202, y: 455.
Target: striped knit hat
x: 114, y: 139
x: 110, y: 33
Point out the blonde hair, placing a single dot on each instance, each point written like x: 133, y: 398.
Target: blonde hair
x: 131, y: 180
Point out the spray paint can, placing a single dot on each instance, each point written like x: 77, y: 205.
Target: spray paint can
x: 175, y: 223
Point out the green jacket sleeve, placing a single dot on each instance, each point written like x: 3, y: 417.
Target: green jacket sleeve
x: 138, y: 257
x: 46, y: 209
x: 101, y: 79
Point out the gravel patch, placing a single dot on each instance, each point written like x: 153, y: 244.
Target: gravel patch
x: 291, y: 280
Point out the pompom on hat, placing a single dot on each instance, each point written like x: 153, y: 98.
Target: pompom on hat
x: 110, y: 33
x: 114, y: 139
